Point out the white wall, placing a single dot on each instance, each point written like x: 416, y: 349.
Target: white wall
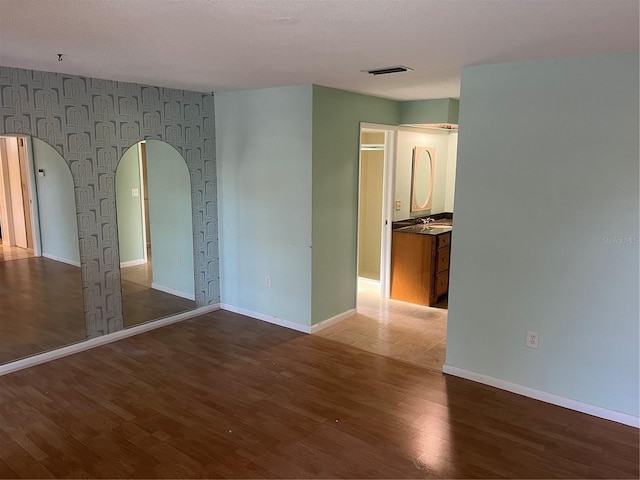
x: 263, y: 156
x: 546, y: 228
x: 407, y: 139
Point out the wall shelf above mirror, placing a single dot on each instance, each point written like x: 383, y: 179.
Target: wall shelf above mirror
x: 422, y: 178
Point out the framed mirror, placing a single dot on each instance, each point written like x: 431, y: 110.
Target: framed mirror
x: 422, y: 178
x: 41, y: 302
x: 155, y: 233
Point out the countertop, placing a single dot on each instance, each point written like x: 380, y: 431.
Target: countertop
x: 430, y: 229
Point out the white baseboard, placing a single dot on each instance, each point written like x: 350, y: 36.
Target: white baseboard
x: 133, y: 263
x: 96, y: 342
x: 543, y: 396
x: 266, y: 318
x: 60, y: 259
x: 171, y: 291
x: 332, y: 321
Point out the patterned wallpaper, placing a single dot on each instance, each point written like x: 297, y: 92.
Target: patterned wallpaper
x: 91, y: 123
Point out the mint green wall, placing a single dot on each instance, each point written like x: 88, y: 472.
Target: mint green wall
x: 263, y: 151
x: 170, y: 218
x: 56, y: 204
x: 454, y: 111
x: 129, y: 208
x: 546, y: 229
x: 450, y: 181
x: 336, y: 128
x: 441, y: 110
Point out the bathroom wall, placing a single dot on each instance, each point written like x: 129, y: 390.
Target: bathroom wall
x: 546, y: 228
x: 450, y: 181
x: 264, y: 183
x: 408, y: 138
x: 91, y: 123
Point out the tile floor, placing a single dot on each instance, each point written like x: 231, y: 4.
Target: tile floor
x: 404, y: 331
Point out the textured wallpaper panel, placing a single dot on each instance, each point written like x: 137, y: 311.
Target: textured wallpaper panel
x: 92, y: 123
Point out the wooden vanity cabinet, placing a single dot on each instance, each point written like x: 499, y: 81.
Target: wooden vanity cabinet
x: 420, y: 267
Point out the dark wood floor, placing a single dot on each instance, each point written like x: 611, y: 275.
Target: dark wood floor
x: 226, y: 396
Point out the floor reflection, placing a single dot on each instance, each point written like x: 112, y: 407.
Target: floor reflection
x: 141, y: 303
x: 40, y: 304
x: 394, y: 329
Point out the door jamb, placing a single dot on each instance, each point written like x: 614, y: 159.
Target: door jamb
x: 388, y: 193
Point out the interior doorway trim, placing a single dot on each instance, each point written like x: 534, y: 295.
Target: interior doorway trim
x: 24, y: 146
x: 388, y: 193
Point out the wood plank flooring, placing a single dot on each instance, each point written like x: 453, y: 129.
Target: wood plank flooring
x: 227, y: 396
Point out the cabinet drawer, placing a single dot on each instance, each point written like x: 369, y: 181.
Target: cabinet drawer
x: 442, y: 259
x: 444, y: 240
x: 442, y: 283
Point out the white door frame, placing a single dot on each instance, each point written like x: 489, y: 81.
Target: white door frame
x: 142, y: 194
x: 33, y: 196
x: 388, y: 193
x: 31, y: 190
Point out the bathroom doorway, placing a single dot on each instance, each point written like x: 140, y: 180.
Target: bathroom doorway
x: 375, y: 210
x: 391, y: 328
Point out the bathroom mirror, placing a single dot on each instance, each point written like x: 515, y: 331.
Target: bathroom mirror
x: 422, y: 178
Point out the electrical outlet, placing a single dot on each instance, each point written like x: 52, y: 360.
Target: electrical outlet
x: 532, y: 339
x: 398, y: 205
x: 135, y: 192
x: 267, y: 281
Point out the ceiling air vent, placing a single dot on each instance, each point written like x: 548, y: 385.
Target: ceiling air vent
x: 387, y: 70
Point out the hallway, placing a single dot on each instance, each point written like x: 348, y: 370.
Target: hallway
x: 394, y: 329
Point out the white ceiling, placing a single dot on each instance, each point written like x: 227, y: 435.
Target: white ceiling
x: 221, y: 45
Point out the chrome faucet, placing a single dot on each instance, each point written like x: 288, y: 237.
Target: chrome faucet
x: 427, y: 221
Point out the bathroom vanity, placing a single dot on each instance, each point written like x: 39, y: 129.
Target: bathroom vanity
x: 420, y: 263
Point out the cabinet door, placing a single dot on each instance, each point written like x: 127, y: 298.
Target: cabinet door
x: 412, y: 267
x: 442, y: 283
x: 444, y: 240
x: 443, y: 260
